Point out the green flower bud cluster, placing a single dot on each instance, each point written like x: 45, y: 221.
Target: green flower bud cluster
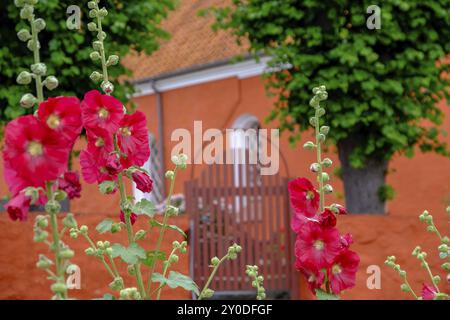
x: 180, y: 246
x: 130, y: 294
x: 117, y: 284
x: 98, y: 14
x: 40, y: 223
x: 321, y: 133
x: 38, y: 69
x: 44, y: 262
x: 257, y: 282
x: 233, y: 251
x: 180, y: 160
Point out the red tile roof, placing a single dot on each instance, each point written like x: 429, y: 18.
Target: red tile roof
x: 192, y: 43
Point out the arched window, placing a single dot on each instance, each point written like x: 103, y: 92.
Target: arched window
x: 244, y: 146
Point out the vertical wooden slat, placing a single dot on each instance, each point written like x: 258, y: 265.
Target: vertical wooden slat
x: 219, y: 218
x: 272, y: 231
x: 278, y: 212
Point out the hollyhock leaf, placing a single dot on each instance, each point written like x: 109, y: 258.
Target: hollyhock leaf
x: 153, y: 256
x: 322, y: 295
x: 106, y: 187
x: 118, y: 249
x: 144, y: 207
x: 177, y: 279
x: 104, y: 226
x: 158, y: 277
x: 133, y: 253
x: 155, y: 223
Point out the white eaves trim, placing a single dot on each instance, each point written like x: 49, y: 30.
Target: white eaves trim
x: 240, y: 70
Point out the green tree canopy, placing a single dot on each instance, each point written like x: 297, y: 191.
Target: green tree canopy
x: 382, y: 83
x: 130, y: 25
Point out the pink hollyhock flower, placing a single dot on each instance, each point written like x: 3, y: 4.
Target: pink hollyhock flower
x: 143, y: 181
x: 35, y: 152
x: 18, y: 207
x: 100, y: 139
x: 346, y: 240
x: 428, y: 292
x: 15, y: 182
x: 317, y: 246
x: 133, y: 140
x: 93, y: 166
x: 327, y: 219
x: 342, y: 273
x: 112, y: 164
x: 62, y: 114
x: 133, y: 217
x: 101, y: 111
x: 314, y: 277
x: 304, y: 198
x: 70, y: 183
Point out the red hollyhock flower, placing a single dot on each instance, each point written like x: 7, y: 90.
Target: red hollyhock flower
x: 341, y: 210
x: 62, y: 114
x: 70, y: 183
x: 133, y: 217
x: 101, y: 111
x: 100, y: 139
x: 342, y: 273
x: 304, y: 198
x: 93, y: 165
x: 346, y: 240
x: 428, y: 292
x: 15, y: 182
x: 143, y: 181
x: 112, y: 164
x: 35, y: 152
x: 133, y: 140
x: 316, y: 246
x: 327, y: 219
x: 18, y: 207
x: 314, y: 277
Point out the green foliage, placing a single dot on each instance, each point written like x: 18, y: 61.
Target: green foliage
x: 104, y: 226
x: 130, y: 25
x: 130, y: 255
x: 154, y: 223
x: 175, y: 280
x: 386, y: 192
x: 383, y: 82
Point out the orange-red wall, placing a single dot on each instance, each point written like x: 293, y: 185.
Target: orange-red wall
x: 420, y: 183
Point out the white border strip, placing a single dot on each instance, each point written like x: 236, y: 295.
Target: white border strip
x: 241, y: 70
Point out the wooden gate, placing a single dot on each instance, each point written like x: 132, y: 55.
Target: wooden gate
x: 235, y: 203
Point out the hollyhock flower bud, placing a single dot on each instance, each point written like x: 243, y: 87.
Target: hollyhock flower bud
x: 39, y: 24
x: 112, y: 60
x: 96, y: 76
x: 28, y: 101
x: 325, y: 177
x: 51, y: 82
x: 215, y: 261
x: 143, y: 181
x: 113, y: 165
x: 107, y: 87
x: 43, y: 262
x: 327, y: 162
x: 321, y: 137
x: 327, y: 219
x: 170, y: 175
x: 95, y: 55
x: 133, y: 217
x: 313, y: 121
x: 321, y: 112
x: 24, y: 78
x: 315, y: 167
x: 70, y: 183
x: 26, y: 12
x: 24, y: 35
x: 18, y: 207
x: 58, y: 287
x: 39, y: 69
x: 428, y: 292
x: 324, y: 130
x: 309, y: 145
x: 92, y: 26
x: 327, y: 188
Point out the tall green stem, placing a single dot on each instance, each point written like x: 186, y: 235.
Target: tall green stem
x: 37, y: 59
x: 166, y: 268
x: 55, y: 236
x: 163, y: 227
x: 211, y: 276
x: 319, y: 160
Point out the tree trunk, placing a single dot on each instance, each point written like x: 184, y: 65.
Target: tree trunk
x: 362, y: 185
